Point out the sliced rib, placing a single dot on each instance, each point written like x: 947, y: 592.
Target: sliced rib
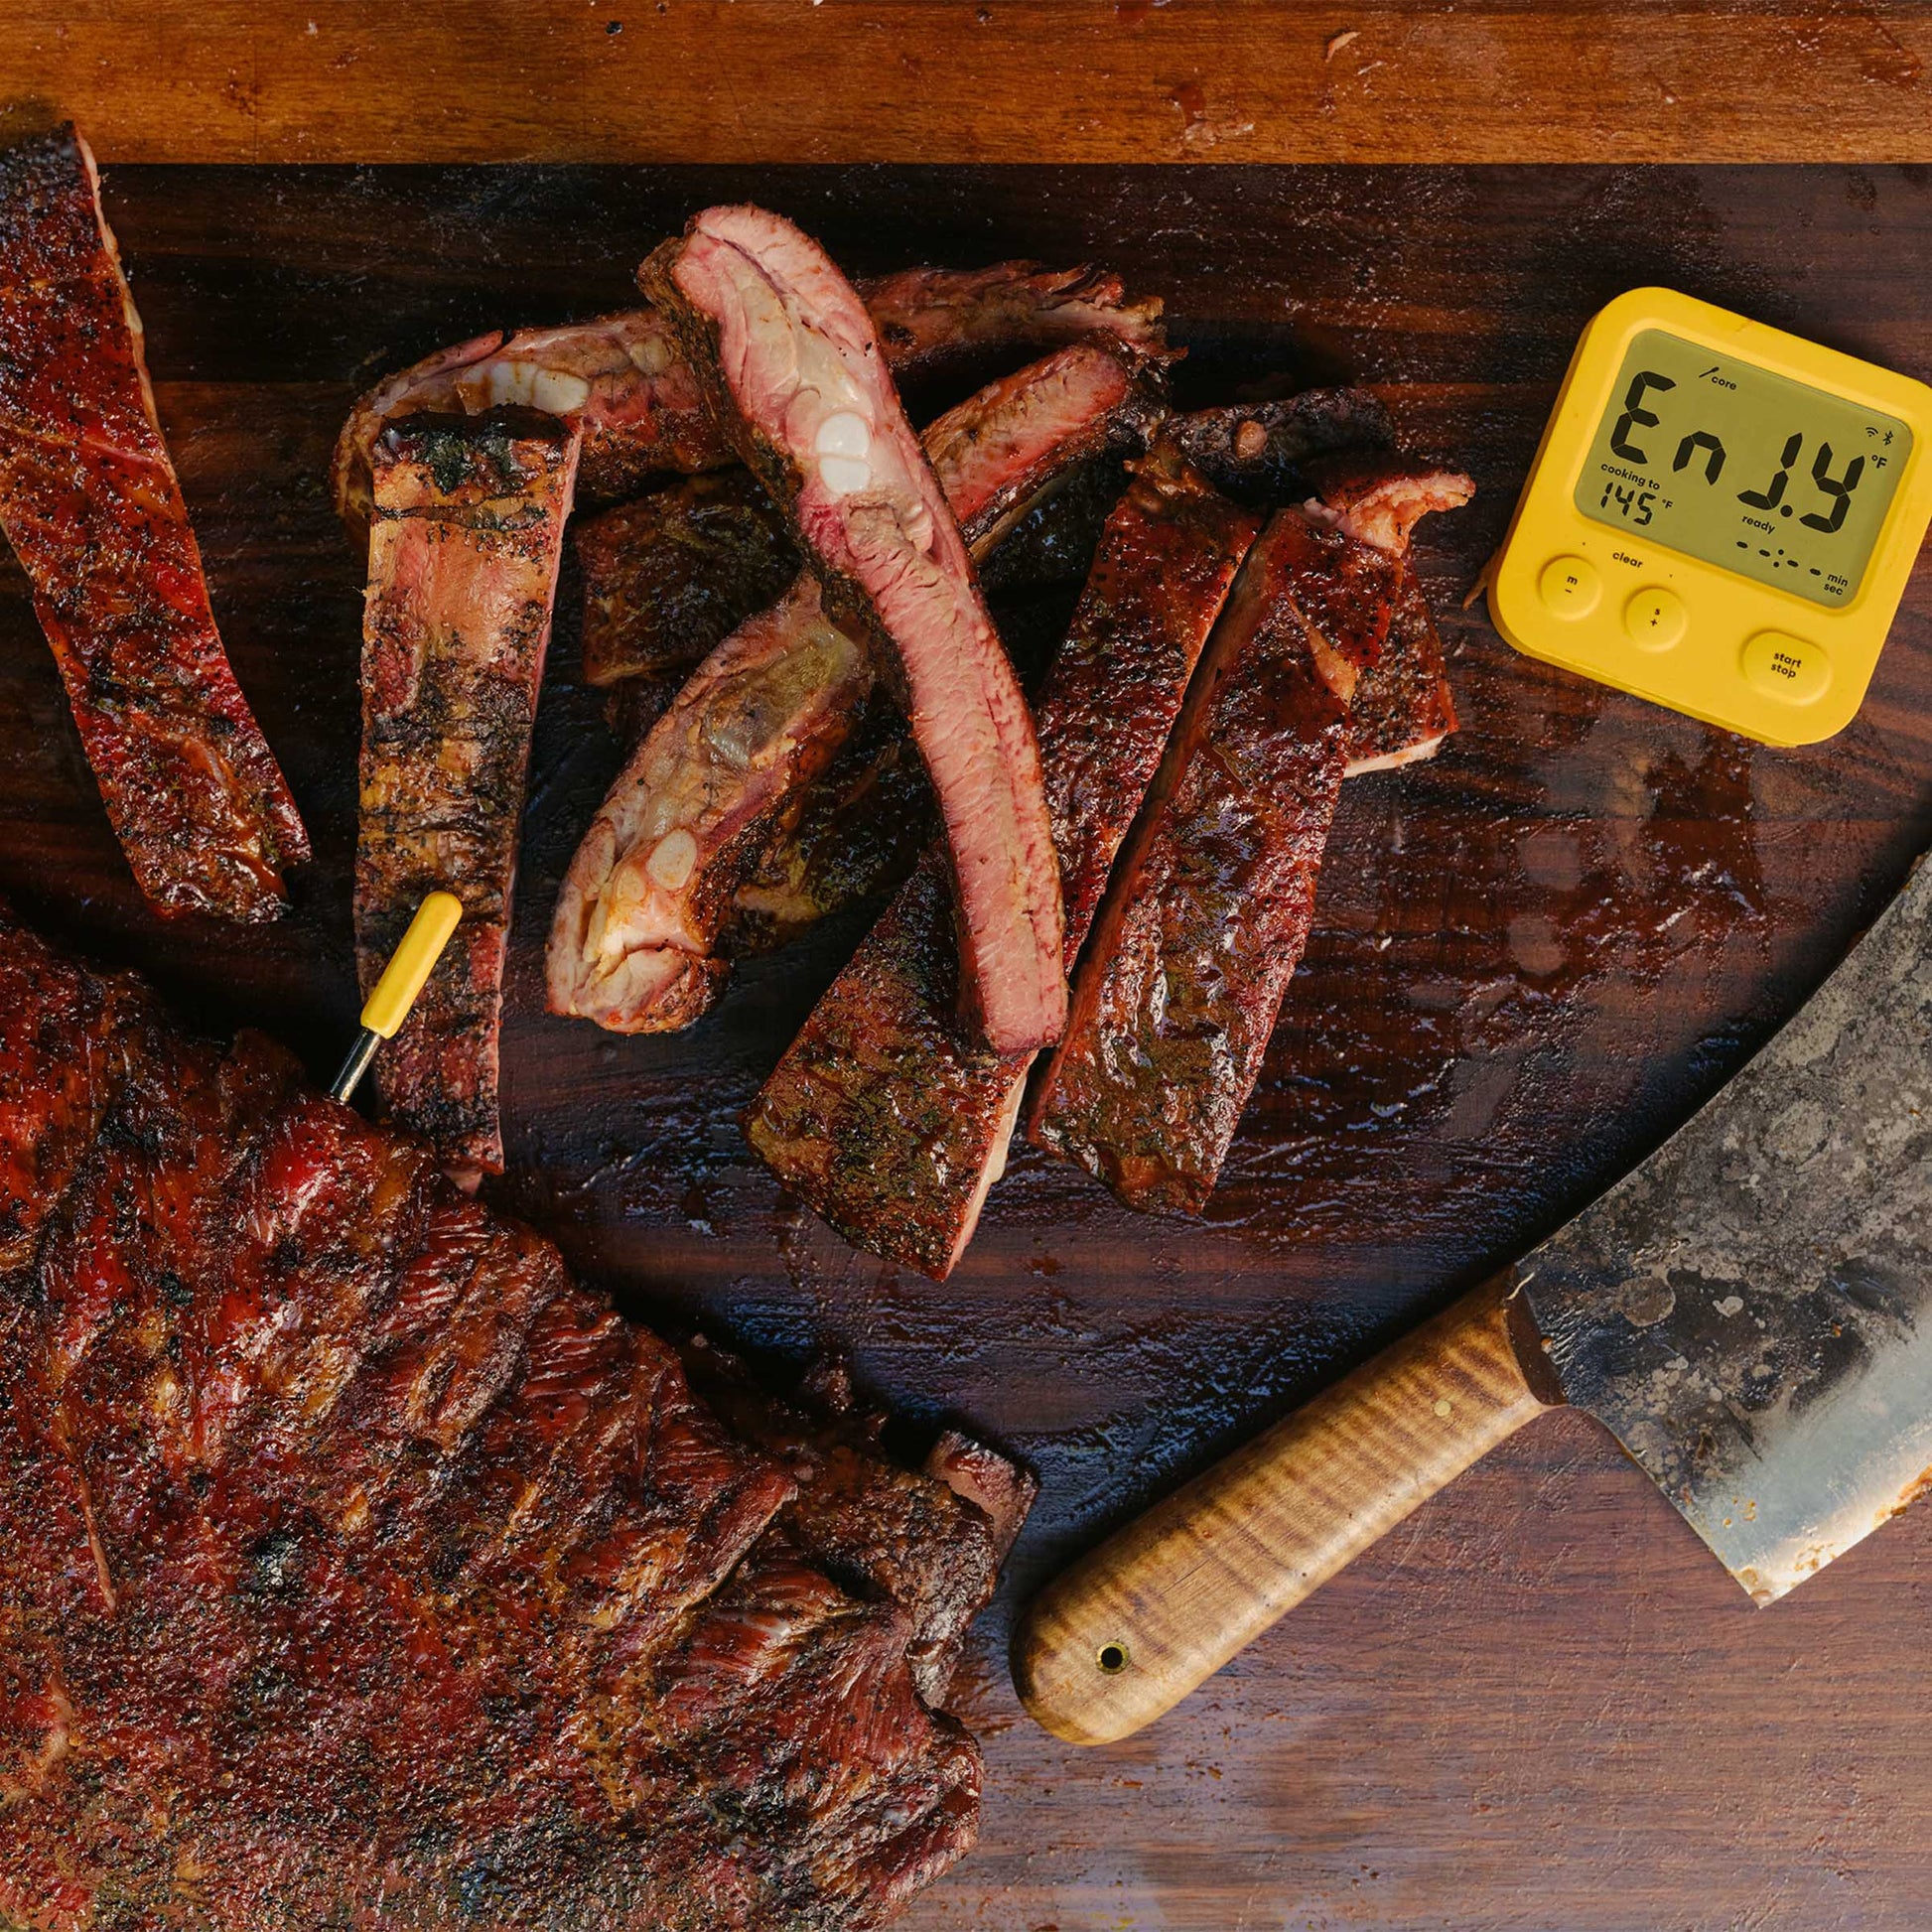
x: 620, y: 379
x: 624, y: 380
x: 463, y: 573
x: 1209, y: 914
x: 1402, y: 709
x: 792, y: 358
x: 881, y: 1116
x: 90, y: 501
x: 635, y: 940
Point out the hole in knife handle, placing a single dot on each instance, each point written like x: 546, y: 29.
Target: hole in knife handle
x: 1112, y: 1658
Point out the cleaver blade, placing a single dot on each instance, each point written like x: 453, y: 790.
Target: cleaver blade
x: 1749, y: 1311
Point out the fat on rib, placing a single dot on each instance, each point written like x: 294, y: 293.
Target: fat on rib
x: 635, y: 939
x: 880, y: 1115
x: 90, y: 502
x: 359, y: 1559
x: 464, y: 550
x: 792, y: 360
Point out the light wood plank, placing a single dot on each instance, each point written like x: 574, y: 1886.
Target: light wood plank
x: 947, y: 80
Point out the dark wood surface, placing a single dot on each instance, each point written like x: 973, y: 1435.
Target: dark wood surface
x: 1540, y: 1703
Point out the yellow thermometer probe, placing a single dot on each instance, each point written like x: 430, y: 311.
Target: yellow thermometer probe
x: 388, y: 1005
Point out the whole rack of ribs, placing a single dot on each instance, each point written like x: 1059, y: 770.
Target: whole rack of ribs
x: 90, y: 501
x: 359, y: 1566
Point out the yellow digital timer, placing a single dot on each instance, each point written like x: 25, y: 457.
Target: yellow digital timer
x: 1720, y: 518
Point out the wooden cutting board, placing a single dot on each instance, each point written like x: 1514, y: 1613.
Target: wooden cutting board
x: 1540, y: 1704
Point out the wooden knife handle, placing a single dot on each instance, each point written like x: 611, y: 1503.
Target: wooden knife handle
x: 1161, y: 1607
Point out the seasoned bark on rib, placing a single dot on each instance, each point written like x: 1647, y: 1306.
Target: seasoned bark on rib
x: 90, y: 501
x: 619, y: 379
x: 633, y: 944
x: 636, y: 939
x: 1209, y: 914
x: 463, y: 573
x: 669, y: 577
x: 355, y: 1555
x: 880, y: 1116
x: 1402, y: 710
x: 791, y: 354
x: 1260, y: 452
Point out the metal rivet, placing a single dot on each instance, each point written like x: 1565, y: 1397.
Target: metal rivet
x: 1445, y: 1407
x: 1112, y: 1658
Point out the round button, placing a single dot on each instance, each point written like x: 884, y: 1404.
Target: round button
x: 1568, y: 586
x: 1654, y: 619
x: 1786, y: 667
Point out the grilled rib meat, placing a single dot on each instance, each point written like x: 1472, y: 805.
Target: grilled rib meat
x: 90, y: 501
x: 933, y: 319
x: 619, y: 379
x: 463, y: 571
x: 1402, y: 709
x: 635, y: 940
x: 624, y: 382
x: 631, y: 943
x: 669, y: 577
x: 880, y: 1116
x: 1261, y: 454
x: 930, y: 1541
x: 1210, y: 915
x: 358, y: 1561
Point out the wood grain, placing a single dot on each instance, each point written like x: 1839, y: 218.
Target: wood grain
x: 1002, y: 81
x: 1536, y: 1704
x: 1139, y: 1624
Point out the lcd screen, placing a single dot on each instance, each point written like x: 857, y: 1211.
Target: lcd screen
x: 1740, y: 468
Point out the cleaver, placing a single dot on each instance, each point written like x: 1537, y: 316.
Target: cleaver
x: 1743, y: 1311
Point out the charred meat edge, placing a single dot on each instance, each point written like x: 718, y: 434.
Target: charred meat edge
x: 791, y: 359
x: 634, y: 940
x: 462, y: 572
x: 930, y: 1539
x: 91, y: 505
x: 880, y: 1116
x: 359, y: 1559
x: 622, y: 378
